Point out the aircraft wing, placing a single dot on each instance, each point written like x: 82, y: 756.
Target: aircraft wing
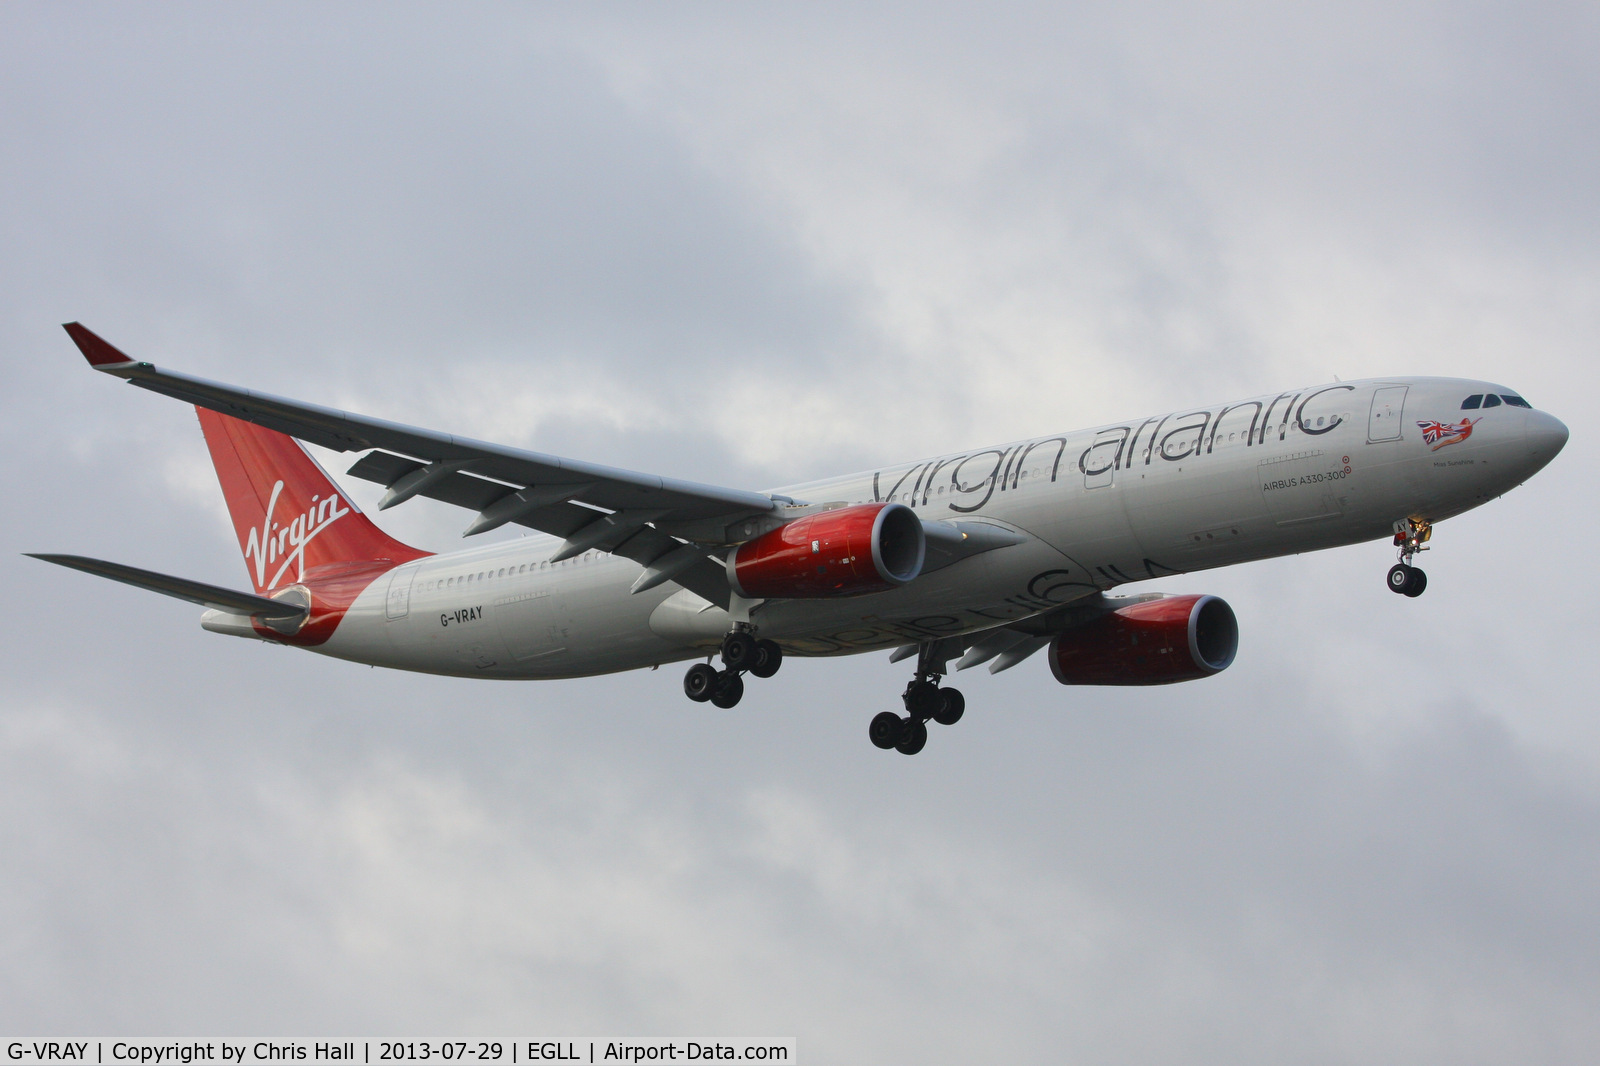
x: 1009, y: 644
x: 639, y: 516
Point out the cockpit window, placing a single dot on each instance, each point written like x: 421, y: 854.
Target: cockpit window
x: 1517, y: 401
x: 1491, y: 400
x: 1471, y: 403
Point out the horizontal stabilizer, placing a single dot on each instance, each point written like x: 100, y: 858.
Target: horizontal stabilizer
x: 213, y: 596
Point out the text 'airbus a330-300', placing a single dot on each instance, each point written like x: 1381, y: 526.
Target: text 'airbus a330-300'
x: 983, y: 556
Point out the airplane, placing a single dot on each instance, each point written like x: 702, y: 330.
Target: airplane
x: 981, y: 556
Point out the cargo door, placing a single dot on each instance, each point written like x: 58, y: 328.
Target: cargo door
x: 532, y: 622
x: 1305, y: 486
x: 1388, y: 414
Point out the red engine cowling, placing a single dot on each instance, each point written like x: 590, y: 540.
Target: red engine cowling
x: 1177, y: 638
x: 847, y: 552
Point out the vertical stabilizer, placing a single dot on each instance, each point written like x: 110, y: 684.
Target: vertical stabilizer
x: 291, y: 519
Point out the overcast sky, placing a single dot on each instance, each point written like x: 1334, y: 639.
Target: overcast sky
x: 754, y: 246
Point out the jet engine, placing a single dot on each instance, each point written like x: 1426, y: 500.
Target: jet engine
x: 1157, y: 642
x: 846, y: 552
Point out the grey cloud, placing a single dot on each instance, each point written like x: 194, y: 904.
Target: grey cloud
x: 1369, y: 839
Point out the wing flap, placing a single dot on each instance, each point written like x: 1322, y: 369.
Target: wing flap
x: 647, y: 544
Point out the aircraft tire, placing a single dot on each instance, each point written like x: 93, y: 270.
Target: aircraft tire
x: 1399, y: 578
x: 699, y: 682
x: 768, y: 658
x: 913, y: 736
x: 951, y: 707
x: 885, y: 729
x: 922, y: 699
x: 1419, y: 583
x: 729, y: 690
x: 738, y: 650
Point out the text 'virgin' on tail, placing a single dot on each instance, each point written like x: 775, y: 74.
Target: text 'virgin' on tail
x: 291, y: 519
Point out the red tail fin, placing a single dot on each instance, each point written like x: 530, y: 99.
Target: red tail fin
x: 289, y: 516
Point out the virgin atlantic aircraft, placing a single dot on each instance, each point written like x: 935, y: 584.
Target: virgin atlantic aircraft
x: 981, y: 556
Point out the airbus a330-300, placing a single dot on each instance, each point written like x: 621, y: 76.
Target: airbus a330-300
x: 983, y: 556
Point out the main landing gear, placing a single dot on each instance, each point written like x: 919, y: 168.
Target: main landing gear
x: 741, y: 652
x: 1411, y: 535
x: 924, y: 700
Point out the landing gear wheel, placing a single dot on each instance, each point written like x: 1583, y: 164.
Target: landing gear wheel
x: 738, y: 650
x: 767, y: 659
x: 1407, y: 580
x: 913, y: 735
x: 728, y: 691
x: 699, y: 682
x: 952, y: 706
x: 922, y: 699
x: 885, y: 729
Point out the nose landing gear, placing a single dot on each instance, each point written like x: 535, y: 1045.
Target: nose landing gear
x: 1411, y: 535
x: 924, y: 700
x: 741, y: 652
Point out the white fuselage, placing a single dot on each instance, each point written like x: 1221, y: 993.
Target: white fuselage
x: 1315, y: 468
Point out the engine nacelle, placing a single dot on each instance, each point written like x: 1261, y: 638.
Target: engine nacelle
x: 1157, y: 642
x: 847, y: 552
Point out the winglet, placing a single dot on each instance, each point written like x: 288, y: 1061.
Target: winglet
x: 97, y: 351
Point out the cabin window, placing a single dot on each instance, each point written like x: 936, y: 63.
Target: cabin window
x: 1491, y: 400
x: 1473, y: 402
x: 1517, y: 401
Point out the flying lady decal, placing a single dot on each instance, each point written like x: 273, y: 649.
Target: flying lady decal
x: 1444, y: 434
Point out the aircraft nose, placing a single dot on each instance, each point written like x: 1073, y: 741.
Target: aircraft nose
x: 1545, y: 434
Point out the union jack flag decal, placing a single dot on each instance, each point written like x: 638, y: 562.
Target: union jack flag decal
x: 1444, y: 434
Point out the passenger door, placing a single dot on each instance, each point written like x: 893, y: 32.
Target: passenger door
x: 1100, y: 462
x: 398, y: 604
x: 1387, y: 419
